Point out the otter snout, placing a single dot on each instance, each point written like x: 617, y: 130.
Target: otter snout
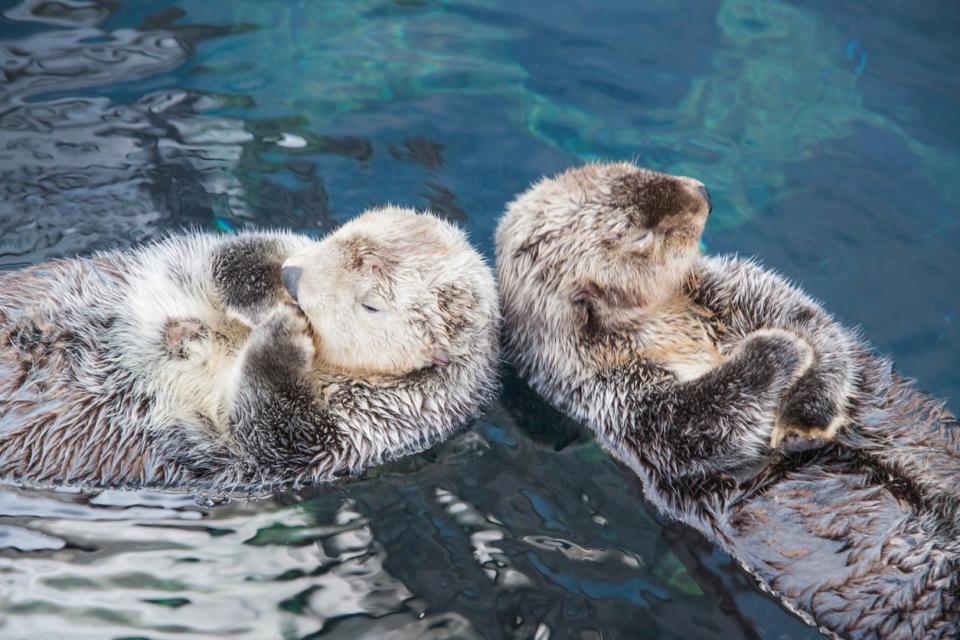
x: 705, y: 194
x: 698, y: 190
x: 291, y: 280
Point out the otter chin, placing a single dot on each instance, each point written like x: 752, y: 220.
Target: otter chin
x: 245, y: 362
x: 744, y: 408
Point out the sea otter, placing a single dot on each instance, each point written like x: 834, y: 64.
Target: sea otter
x: 744, y: 408
x: 247, y: 361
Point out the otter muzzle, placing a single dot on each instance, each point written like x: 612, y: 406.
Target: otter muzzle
x: 291, y: 280
x: 702, y: 190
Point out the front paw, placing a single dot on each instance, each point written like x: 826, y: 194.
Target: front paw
x: 286, y: 331
x: 776, y: 356
x: 808, y: 411
x: 246, y: 274
x: 792, y: 442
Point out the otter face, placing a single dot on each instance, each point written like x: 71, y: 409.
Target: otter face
x: 391, y: 292
x: 602, y: 241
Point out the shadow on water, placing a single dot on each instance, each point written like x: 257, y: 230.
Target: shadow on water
x: 120, y: 122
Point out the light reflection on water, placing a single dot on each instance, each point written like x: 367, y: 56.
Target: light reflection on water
x: 829, y: 138
x: 425, y: 548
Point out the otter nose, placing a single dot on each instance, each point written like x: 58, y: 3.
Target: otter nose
x: 702, y: 190
x: 291, y: 280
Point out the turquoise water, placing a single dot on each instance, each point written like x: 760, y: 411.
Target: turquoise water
x: 829, y: 137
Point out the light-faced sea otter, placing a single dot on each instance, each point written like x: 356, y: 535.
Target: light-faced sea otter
x: 744, y: 408
x: 247, y: 361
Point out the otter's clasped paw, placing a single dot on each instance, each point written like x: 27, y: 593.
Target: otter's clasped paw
x: 789, y: 429
x: 808, y: 411
x: 288, y: 325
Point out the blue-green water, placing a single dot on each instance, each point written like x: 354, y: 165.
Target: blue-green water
x: 828, y: 133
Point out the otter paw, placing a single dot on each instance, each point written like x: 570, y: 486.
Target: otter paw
x: 809, y: 402
x: 808, y: 410
x: 789, y: 429
x: 777, y: 356
x: 792, y: 442
x: 786, y: 341
x: 287, y: 325
x: 184, y: 338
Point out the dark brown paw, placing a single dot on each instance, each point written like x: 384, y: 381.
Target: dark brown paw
x: 809, y: 404
x: 179, y: 334
x: 285, y: 331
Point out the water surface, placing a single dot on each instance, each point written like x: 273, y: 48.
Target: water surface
x: 829, y: 137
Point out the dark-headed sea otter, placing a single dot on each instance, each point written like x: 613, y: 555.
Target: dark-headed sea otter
x: 746, y: 411
x: 247, y: 361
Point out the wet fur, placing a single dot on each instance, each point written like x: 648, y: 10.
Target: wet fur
x: 179, y: 365
x: 745, y: 409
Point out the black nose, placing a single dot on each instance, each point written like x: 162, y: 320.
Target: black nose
x: 291, y: 279
x: 702, y: 190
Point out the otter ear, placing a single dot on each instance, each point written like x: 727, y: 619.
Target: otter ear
x: 440, y: 358
x: 371, y: 262
x: 455, y: 303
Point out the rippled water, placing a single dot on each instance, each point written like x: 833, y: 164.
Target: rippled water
x: 829, y: 136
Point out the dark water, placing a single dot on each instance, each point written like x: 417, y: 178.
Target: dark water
x: 828, y: 133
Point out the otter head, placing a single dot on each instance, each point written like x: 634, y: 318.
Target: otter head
x: 392, y: 291
x: 593, y: 249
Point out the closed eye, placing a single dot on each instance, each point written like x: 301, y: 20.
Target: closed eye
x: 369, y: 308
x: 641, y: 241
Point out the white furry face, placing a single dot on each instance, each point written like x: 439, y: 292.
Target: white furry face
x: 381, y: 293
x: 601, y: 241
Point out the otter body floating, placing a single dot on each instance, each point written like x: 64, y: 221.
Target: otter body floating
x: 245, y: 362
x: 744, y: 408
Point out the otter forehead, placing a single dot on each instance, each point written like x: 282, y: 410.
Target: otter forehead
x: 605, y: 198
x: 404, y: 239
x: 358, y: 249
x: 648, y: 198
x: 403, y: 229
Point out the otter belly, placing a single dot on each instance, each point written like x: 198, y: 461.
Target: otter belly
x: 192, y: 385
x: 862, y: 560
x: 190, y: 381
x: 176, y: 338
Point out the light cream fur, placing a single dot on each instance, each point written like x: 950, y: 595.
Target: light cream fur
x: 369, y: 291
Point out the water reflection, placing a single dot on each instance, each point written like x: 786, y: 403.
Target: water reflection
x: 84, y: 173
x: 119, y: 564
x: 487, y: 536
